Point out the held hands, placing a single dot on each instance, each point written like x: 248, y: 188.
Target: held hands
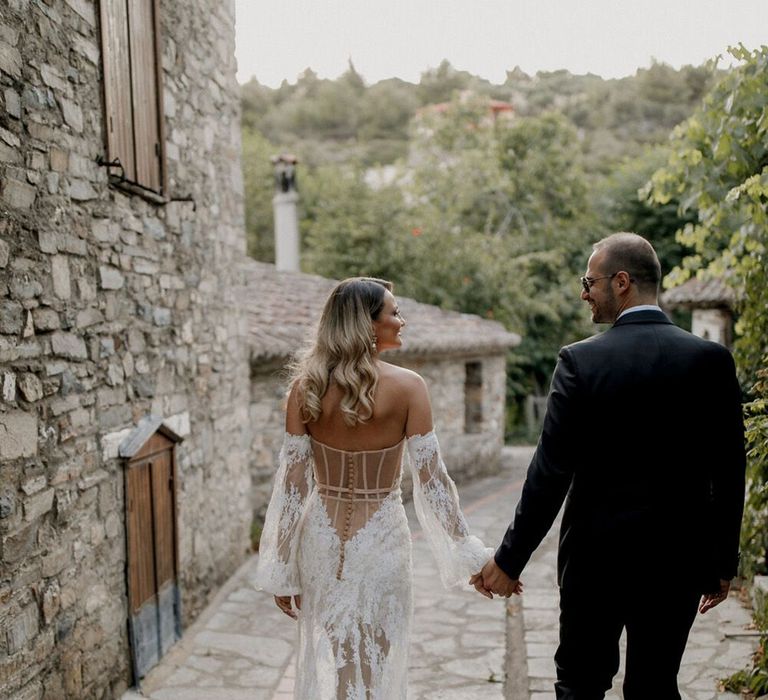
x: 710, y: 600
x: 492, y: 579
x: 284, y: 603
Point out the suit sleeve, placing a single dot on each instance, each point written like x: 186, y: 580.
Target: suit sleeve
x: 550, y: 472
x: 727, y: 468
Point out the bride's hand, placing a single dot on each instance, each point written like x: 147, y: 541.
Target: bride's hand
x: 284, y: 603
x: 477, y: 582
x: 495, y: 580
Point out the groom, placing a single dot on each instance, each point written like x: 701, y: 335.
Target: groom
x: 643, y: 439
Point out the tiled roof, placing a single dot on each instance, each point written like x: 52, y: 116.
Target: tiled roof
x: 283, y: 308
x: 700, y: 294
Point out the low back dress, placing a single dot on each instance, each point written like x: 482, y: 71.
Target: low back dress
x: 336, y: 533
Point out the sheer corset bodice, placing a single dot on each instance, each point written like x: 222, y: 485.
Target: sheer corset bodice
x: 352, y: 485
x: 336, y: 532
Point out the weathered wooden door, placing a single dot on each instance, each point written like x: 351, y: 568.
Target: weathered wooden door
x: 155, y: 620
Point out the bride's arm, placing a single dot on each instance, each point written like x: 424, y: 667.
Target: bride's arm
x: 458, y: 553
x: 277, y: 570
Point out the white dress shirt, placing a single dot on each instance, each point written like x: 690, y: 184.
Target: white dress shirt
x: 639, y: 307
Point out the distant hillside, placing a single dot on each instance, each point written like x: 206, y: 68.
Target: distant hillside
x: 346, y: 120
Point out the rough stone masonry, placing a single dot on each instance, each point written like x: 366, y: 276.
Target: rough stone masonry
x: 112, y: 307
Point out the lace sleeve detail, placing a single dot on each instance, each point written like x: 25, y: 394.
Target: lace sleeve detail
x: 458, y: 553
x: 276, y: 571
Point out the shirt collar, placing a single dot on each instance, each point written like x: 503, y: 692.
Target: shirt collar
x: 639, y: 307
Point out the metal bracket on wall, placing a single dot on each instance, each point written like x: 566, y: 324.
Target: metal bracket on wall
x: 188, y: 198
x: 120, y: 180
x: 124, y: 183
x: 104, y: 163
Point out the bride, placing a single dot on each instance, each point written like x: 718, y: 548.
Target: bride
x: 336, y: 549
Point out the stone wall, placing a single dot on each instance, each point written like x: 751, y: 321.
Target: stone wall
x: 466, y: 455
x: 267, y: 415
x: 713, y: 324
x: 112, y: 307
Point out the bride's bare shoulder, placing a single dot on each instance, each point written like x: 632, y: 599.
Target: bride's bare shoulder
x: 400, y: 377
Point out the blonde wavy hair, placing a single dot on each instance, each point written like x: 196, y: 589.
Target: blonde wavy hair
x: 342, y: 352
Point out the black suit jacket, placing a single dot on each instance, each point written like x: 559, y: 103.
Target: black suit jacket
x: 644, y: 439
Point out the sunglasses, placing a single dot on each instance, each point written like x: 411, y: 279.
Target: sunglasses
x: 587, y: 282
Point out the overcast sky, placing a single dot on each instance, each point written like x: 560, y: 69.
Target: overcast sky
x: 387, y: 38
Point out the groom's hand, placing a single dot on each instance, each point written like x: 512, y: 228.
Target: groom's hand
x: 710, y: 600
x: 496, y: 581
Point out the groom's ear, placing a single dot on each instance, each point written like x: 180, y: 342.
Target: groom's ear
x: 622, y: 279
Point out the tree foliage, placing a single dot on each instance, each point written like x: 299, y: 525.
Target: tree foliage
x: 422, y: 185
x: 348, y: 228
x: 616, y: 118
x: 258, y: 188
x: 622, y: 204
x: 477, y: 220
x: 369, y: 124
x: 718, y: 169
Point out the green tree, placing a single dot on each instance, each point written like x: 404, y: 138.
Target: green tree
x: 386, y: 109
x: 622, y: 203
x: 492, y: 216
x: 257, y: 101
x: 718, y: 169
x: 441, y: 83
x: 349, y: 229
x: 345, y: 119
x: 352, y: 79
x: 489, y: 217
x: 258, y: 185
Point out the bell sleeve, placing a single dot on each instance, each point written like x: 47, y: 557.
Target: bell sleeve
x: 458, y: 553
x: 277, y: 570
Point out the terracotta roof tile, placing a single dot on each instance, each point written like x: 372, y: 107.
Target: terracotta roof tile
x: 282, y: 308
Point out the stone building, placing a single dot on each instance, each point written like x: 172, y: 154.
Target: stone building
x: 139, y: 402
x: 121, y: 222
x: 462, y: 357
x: 711, y: 303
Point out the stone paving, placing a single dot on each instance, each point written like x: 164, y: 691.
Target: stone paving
x: 715, y: 646
x: 462, y: 647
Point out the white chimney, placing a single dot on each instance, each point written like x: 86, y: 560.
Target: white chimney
x: 285, y: 206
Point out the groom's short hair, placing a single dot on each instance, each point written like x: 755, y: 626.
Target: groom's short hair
x: 635, y: 255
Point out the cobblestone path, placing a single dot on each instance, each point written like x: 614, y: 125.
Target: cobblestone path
x: 463, y: 645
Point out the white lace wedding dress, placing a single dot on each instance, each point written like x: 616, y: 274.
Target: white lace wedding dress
x: 336, y: 533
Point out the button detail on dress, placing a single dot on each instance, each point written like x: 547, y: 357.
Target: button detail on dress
x: 348, y: 516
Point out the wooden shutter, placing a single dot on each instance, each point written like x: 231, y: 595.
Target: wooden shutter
x: 144, y: 86
x: 117, y: 84
x: 133, y: 89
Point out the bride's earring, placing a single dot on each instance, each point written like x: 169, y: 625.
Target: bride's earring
x: 374, y: 347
